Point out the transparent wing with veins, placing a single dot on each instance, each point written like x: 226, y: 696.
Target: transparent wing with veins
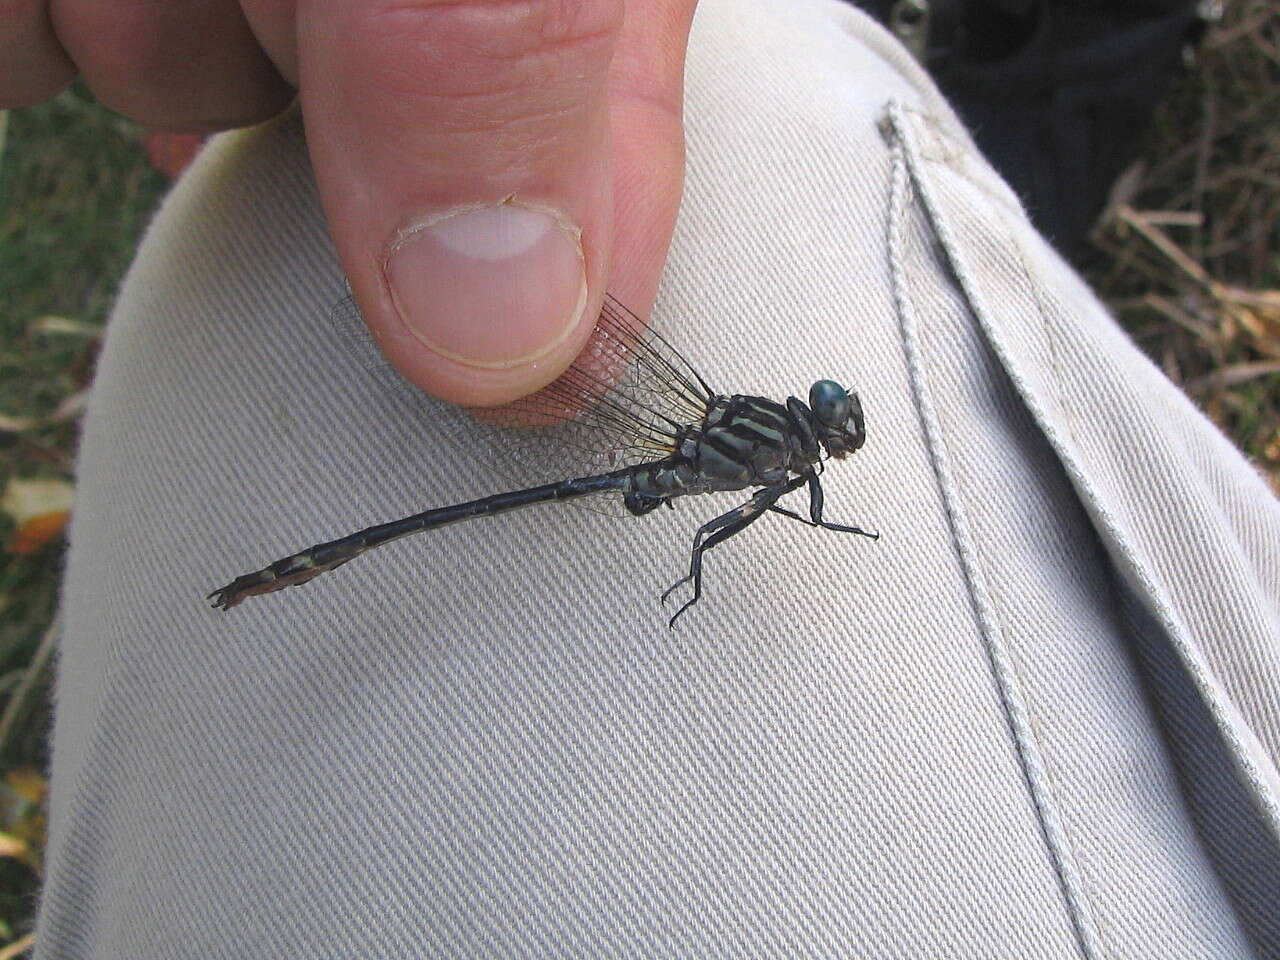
x: 621, y: 403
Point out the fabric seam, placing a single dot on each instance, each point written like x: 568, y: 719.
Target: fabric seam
x: 1017, y: 715
x: 982, y: 179
x: 1149, y: 587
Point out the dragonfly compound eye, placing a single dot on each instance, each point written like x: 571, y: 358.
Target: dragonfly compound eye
x: 830, y: 403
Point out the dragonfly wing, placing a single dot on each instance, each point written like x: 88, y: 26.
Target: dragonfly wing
x: 621, y: 403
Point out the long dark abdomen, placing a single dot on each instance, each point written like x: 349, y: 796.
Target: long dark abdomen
x: 310, y: 563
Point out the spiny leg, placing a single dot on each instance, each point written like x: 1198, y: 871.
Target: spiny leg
x: 720, y: 529
x: 815, y: 512
x: 741, y: 523
x: 762, y: 500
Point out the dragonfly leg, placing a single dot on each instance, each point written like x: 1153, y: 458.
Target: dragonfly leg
x: 792, y: 514
x: 639, y: 504
x: 815, y: 512
x: 721, y: 529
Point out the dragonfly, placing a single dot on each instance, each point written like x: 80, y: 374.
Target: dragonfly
x: 649, y: 431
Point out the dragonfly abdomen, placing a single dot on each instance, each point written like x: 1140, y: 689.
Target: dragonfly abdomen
x: 322, y: 557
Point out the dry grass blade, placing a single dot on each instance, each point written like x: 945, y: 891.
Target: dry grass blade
x: 1190, y: 241
x: 18, y: 947
x: 16, y: 709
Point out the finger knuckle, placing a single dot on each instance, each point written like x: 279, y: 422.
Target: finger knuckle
x: 468, y: 39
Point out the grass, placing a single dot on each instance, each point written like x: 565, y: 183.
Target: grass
x: 76, y: 192
x: 1187, y: 257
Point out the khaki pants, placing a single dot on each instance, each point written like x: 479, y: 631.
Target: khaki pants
x: 1039, y: 718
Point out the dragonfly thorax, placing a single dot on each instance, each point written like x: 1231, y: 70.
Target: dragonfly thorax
x: 743, y: 441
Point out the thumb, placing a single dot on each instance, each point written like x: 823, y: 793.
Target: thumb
x: 462, y: 151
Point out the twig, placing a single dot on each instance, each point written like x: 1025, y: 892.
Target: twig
x: 1210, y: 113
x: 1225, y: 36
x: 1234, y: 375
x: 18, y: 947
x: 1179, y: 316
x: 16, y: 708
x: 1160, y: 240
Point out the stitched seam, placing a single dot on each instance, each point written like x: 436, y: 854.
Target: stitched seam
x: 1056, y: 384
x: 1165, y: 613
x: 1013, y: 701
x: 1201, y: 677
x: 981, y: 180
x: 1046, y: 335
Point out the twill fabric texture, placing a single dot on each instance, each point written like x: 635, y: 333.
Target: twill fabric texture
x: 1039, y: 718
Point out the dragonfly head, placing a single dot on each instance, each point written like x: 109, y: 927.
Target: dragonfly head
x: 837, y: 418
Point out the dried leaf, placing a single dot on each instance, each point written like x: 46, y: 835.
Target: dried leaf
x: 28, y: 783
x: 22, y: 817
x: 40, y: 508
x: 70, y: 408
x: 51, y: 323
x: 11, y: 846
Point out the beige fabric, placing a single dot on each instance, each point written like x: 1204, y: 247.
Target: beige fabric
x: 1039, y: 718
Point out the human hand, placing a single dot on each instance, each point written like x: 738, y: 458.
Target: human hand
x: 482, y: 163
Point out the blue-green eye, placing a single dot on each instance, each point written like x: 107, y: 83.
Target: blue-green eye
x: 830, y: 403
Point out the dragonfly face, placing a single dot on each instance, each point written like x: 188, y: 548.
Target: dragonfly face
x: 837, y: 415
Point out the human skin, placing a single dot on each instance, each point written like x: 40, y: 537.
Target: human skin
x: 487, y: 167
